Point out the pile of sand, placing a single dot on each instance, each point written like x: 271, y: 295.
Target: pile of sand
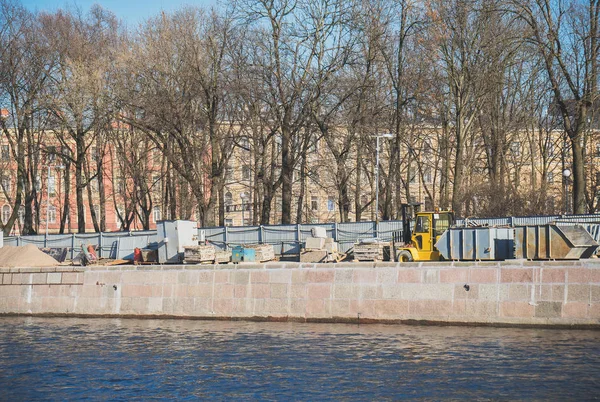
x: 28, y: 256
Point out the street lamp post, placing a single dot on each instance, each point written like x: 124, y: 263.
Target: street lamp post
x: 377, y: 137
x: 243, y: 197
x: 566, y: 173
x: 48, y: 194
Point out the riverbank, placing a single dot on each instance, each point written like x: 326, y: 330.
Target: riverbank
x: 510, y: 293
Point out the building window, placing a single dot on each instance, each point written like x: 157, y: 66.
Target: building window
x: 229, y: 174
x: 51, y: 183
x: 5, y: 153
x: 427, y: 177
x: 95, y: 183
x: 119, y: 213
x: 428, y: 204
x: 314, y: 203
x: 228, y: 222
x: 598, y: 150
x: 156, y: 214
x: 314, y: 146
x: 245, y: 172
x: 51, y: 214
x: 157, y: 184
x: 427, y: 149
x: 38, y: 183
x: 550, y: 177
x: 66, y: 151
x: 228, y: 202
x: 550, y: 149
x: 515, y: 148
x: 22, y: 215
x: 330, y: 204
x: 413, y: 176
x: 245, y: 143
x: 6, y: 184
x: 120, y: 185
x: 5, y: 213
x: 51, y: 151
x: 97, y: 211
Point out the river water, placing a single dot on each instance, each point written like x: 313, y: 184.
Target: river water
x: 71, y: 358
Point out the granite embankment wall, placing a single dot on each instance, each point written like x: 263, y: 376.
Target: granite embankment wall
x: 505, y: 293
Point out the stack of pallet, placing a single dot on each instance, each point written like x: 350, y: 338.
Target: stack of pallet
x: 222, y: 256
x: 262, y: 252
x: 198, y: 254
x: 371, y: 251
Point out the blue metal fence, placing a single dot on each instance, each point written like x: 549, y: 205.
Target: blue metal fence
x: 286, y: 239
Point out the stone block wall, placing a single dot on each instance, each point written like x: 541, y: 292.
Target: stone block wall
x: 513, y: 292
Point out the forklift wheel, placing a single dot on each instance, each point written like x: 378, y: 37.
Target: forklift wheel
x: 405, y: 256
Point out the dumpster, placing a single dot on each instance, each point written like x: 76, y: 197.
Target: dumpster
x: 484, y: 243
x: 551, y: 242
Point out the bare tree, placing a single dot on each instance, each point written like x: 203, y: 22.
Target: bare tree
x: 22, y: 79
x: 77, y: 98
x: 176, y: 95
x: 566, y: 36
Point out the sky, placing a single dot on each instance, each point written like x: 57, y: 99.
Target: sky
x: 130, y: 11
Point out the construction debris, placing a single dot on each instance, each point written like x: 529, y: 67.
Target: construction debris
x: 318, y: 231
x: 314, y: 243
x: 320, y: 249
x: 58, y: 253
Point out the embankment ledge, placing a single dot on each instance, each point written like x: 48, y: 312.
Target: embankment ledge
x: 518, y: 292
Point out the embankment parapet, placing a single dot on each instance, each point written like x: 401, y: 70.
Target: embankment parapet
x: 562, y: 293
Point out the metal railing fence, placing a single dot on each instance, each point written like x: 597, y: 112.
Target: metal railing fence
x: 286, y: 239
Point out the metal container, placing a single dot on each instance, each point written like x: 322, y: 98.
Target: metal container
x: 551, y: 242
x: 243, y: 254
x: 486, y: 243
x: 172, y: 237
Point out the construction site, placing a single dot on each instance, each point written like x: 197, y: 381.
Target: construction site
x: 420, y: 236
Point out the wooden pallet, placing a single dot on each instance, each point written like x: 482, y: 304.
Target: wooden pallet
x: 370, y: 251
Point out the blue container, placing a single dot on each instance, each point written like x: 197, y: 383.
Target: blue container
x: 243, y: 254
x: 471, y: 244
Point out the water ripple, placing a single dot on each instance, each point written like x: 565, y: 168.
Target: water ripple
x: 65, y: 359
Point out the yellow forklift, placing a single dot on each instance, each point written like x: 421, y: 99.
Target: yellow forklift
x: 420, y: 244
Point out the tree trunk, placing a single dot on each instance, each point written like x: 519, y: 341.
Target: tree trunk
x: 303, y: 168
x: 358, y: 185
x: 344, y: 200
x: 67, y: 197
x: 287, y: 169
x: 79, y: 184
x: 579, y: 205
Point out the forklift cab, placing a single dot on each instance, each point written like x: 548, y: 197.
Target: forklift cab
x: 428, y: 228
